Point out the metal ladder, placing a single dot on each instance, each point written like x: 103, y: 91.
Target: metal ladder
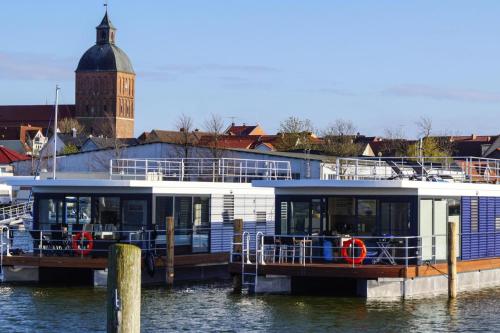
x: 4, y: 242
x: 250, y: 279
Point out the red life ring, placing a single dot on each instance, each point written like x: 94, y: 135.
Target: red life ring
x: 351, y: 243
x: 75, y: 243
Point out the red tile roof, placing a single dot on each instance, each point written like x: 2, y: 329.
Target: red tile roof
x: 12, y: 117
x: 244, y: 130
x: 8, y: 156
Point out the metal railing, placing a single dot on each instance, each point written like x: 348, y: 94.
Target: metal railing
x: 200, y: 169
x: 14, y: 213
x: 437, y: 169
x: 95, y: 243
x: 350, y: 250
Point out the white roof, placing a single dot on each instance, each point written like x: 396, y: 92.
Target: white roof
x: 379, y: 187
x: 135, y: 186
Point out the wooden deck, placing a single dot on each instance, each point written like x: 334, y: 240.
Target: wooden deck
x: 188, y: 260
x: 364, y: 271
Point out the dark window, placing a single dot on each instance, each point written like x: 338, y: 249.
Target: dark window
x: 164, y: 209
x: 299, y: 217
x: 135, y: 214
x: 367, y: 216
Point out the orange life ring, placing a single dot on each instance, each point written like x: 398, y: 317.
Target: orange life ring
x: 350, y: 243
x: 75, y: 243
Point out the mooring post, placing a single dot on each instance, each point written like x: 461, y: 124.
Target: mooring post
x: 170, y: 251
x: 124, y: 289
x: 238, y: 249
x: 452, y: 259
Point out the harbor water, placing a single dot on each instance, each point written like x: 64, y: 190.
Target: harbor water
x: 213, y: 308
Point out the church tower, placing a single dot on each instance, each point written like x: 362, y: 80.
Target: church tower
x: 105, y: 87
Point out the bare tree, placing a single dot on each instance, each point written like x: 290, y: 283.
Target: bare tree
x: 185, y: 139
x: 340, y: 139
x: 424, y: 126
x: 215, y: 126
x: 66, y: 125
x: 394, y: 142
x: 113, y: 144
x: 295, y: 133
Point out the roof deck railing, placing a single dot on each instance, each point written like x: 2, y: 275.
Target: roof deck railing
x: 233, y: 170
x: 438, y: 169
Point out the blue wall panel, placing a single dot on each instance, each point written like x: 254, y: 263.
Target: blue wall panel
x: 485, y: 241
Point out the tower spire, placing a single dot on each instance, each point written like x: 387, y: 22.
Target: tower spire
x: 105, y: 31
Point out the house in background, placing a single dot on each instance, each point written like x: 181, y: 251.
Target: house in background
x: 64, y: 142
x: 33, y: 139
x: 244, y: 130
x: 96, y: 143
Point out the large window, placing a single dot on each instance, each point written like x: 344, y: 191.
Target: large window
x: 164, y: 209
x: 134, y: 214
x: 395, y: 218
x: 367, y: 216
x: 50, y: 213
x: 342, y: 214
x: 299, y: 217
x: 191, y: 221
x: 107, y: 211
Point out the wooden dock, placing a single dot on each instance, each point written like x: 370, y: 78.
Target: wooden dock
x: 339, y: 270
x: 188, y: 260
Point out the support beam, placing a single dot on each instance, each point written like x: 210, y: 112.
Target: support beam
x: 237, y: 239
x: 452, y: 259
x: 170, y: 251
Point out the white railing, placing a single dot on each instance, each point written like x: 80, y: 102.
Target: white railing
x: 200, y: 169
x: 448, y: 169
x: 14, y: 213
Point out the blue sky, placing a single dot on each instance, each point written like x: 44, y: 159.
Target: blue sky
x: 380, y: 64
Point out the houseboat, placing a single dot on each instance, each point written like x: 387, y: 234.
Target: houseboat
x: 76, y: 220
x: 379, y: 229
x: 376, y: 228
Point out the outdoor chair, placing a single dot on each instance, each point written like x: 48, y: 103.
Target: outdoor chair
x: 269, y: 248
x: 286, y: 249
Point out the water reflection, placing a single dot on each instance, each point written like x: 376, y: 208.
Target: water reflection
x: 215, y: 308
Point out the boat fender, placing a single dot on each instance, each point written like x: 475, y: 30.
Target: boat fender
x: 352, y: 243
x: 149, y: 261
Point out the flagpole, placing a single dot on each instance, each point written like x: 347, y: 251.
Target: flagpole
x: 54, y: 167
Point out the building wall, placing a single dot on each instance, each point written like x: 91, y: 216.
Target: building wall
x: 105, y: 103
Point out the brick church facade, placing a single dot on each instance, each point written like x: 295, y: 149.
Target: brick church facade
x: 104, y: 94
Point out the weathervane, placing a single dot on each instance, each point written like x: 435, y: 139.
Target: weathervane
x: 106, y: 4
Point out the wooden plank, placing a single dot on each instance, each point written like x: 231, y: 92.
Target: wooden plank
x: 188, y: 260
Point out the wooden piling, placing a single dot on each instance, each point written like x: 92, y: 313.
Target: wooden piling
x: 452, y: 259
x: 124, y: 289
x: 238, y: 239
x: 170, y: 251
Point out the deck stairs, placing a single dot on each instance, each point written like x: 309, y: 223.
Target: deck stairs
x: 15, y: 214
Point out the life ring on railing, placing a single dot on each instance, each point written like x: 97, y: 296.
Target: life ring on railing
x: 351, y: 243
x: 80, y: 238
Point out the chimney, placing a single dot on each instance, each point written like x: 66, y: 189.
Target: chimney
x: 474, y: 137
x: 73, y: 131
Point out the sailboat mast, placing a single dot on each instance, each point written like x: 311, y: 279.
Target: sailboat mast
x: 55, y: 134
